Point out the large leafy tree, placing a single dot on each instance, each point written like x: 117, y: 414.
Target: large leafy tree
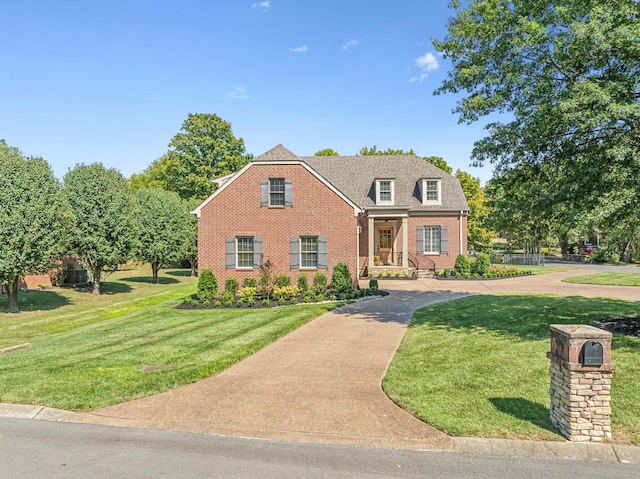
x: 567, y: 76
x: 164, y: 226
x: 31, y: 219
x: 478, y: 238
x: 439, y: 162
x: 326, y: 152
x: 204, y: 149
x: 104, y: 232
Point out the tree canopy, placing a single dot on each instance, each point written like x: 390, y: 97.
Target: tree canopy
x: 204, y: 149
x: 566, y: 77
x: 104, y: 231
x: 374, y: 151
x: 32, y: 219
x: 439, y: 162
x: 326, y: 152
x: 478, y: 238
x: 164, y: 226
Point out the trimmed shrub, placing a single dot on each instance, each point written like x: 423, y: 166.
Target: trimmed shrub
x: 282, y: 281
x: 248, y: 294
x: 217, y: 304
x: 266, y: 303
x: 604, y: 256
x: 205, y: 304
x: 294, y: 300
x: 446, y: 273
x: 303, y: 284
x: 207, y: 285
x: 282, y: 301
x: 285, y: 291
x: 249, y: 283
x: 319, y: 298
x: 227, y: 297
x: 341, y: 279
x: 231, y: 285
x: 373, y: 285
x: 462, y: 266
x: 482, y: 265
x: 319, y: 283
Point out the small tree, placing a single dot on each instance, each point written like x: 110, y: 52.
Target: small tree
x: 320, y: 283
x: 462, y: 266
x: 482, y: 264
x: 207, y: 285
x: 105, y: 230
x: 32, y: 219
x: 303, y: 284
x: 266, y: 282
x: 341, y: 279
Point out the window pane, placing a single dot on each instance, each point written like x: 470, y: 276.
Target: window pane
x: 245, y: 252
x: 309, y: 252
x: 432, y: 239
x: 432, y: 191
x: 276, y: 191
x: 385, y: 190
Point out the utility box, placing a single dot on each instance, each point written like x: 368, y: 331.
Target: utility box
x: 581, y: 371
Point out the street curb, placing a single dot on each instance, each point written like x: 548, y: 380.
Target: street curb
x: 514, y: 448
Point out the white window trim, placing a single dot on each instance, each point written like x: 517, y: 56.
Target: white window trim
x: 300, y: 254
x: 393, y: 192
x: 425, y: 201
x: 424, y: 239
x: 238, y: 252
x: 283, y: 192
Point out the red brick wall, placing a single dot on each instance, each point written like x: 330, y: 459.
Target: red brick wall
x: 236, y: 211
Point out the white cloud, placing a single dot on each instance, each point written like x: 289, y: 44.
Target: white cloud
x: 351, y: 43
x: 301, y: 49
x: 262, y: 6
x: 426, y: 63
x: 239, y: 93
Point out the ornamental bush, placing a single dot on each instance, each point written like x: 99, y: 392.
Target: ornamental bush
x: 303, y: 284
x: 373, y: 285
x: 482, y: 265
x: 341, y: 279
x: 462, y: 266
x: 319, y: 283
x: 231, y: 285
x: 207, y: 285
x: 282, y: 281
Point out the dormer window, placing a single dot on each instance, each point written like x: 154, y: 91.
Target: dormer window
x: 384, y: 192
x: 431, y: 192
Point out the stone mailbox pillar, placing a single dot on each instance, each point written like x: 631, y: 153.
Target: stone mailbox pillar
x: 581, y: 371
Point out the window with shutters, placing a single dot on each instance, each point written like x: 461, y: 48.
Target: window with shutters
x: 244, y: 252
x: 308, y: 251
x: 276, y: 191
x: 432, y: 239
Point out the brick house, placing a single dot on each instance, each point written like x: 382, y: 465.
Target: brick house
x: 376, y: 213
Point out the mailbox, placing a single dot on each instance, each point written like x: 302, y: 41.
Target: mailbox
x: 592, y: 354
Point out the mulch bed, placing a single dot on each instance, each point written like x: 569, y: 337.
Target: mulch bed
x: 621, y: 325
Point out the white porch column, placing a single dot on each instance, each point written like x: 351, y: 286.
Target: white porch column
x: 405, y: 242
x: 370, y: 240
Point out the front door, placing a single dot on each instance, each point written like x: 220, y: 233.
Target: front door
x: 385, y: 245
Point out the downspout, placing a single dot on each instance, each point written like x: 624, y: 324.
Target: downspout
x: 358, y: 250
x: 461, y: 212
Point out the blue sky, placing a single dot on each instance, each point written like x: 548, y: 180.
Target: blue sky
x: 112, y: 81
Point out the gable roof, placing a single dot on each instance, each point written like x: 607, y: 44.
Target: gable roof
x: 353, y: 178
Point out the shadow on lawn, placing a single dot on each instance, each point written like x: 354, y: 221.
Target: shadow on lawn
x: 525, y: 410
x: 521, y: 317
x: 179, y: 272
x: 148, y: 279
x: 36, y: 301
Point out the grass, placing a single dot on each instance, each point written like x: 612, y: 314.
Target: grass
x: 477, y: 366
x: 609, y: 279
x: 88, y: 352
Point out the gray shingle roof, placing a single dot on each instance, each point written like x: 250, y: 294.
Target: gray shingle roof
x: 355, y: 177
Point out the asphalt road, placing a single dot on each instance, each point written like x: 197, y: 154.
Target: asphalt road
x: 597, y: 268
x: 41, y: 449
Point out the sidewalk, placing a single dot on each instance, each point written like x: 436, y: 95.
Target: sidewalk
x: 322, y: 383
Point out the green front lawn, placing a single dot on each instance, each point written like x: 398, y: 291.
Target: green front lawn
x: 89, y: 352
x: 478, y: 367
x: 539, y: 269
x: 608, y: 279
